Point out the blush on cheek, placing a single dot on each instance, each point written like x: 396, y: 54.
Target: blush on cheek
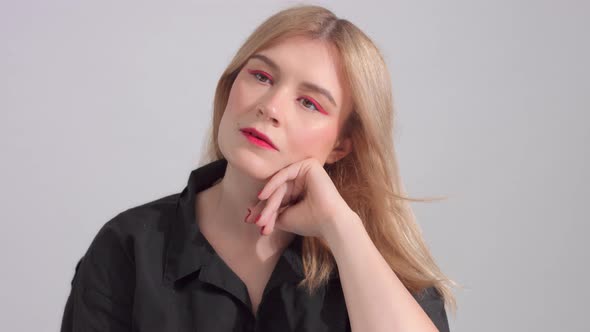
x: 317, y: 142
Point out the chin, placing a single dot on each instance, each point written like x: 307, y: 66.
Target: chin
x: 248, y: 159
x: 251, y: 164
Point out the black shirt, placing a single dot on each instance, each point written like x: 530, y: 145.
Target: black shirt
x: 150, y: 269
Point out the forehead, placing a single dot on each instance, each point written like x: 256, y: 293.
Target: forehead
x: 302, y: 59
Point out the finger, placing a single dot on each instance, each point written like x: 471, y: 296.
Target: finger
x: 272, y: 204
x: 255, y: 212
x: 269, y: 227
x: 288, y: 173
x: 283, y: 208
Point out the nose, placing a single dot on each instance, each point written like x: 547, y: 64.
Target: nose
x: 273, y: 105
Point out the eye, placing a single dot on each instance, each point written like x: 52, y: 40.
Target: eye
x: 260, y: 76
x: 311, y: 104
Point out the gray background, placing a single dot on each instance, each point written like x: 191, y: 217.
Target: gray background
x: 104, y: 106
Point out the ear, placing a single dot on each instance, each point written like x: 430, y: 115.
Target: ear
x: 342, y: 148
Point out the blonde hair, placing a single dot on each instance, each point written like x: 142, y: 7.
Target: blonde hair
x: 359, y: 176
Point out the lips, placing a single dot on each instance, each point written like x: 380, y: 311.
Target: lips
x: 258, y: 134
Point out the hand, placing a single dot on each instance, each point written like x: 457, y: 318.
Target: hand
x: 300, y: 198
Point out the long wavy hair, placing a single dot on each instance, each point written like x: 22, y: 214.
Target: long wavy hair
x: 368, y: 177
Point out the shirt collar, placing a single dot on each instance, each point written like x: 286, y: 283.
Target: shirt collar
x: 187, y: 250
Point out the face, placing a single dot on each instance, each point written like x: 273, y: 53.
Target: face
x: 294, y: 93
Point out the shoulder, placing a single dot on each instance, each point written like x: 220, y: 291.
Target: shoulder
x: 432, y: 302
x: 119, y: 235
x: 104, y: 278
x: 116, y: 242
x: 428, y: 294
x: 133, y: 222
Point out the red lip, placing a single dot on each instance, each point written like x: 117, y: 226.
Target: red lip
x: 262, y: 136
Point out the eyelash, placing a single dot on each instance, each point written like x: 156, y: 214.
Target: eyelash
x: 255, y: 73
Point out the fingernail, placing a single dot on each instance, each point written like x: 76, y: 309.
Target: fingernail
x: 246, y: 219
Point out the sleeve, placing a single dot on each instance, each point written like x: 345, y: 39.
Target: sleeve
x: 101, y: 296
x: 433, y: 304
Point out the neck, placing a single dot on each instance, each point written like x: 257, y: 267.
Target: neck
x: 224, y: 206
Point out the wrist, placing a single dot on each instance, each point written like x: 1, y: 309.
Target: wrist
x: 337, y: 227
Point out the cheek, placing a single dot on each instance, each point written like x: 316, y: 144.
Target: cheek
x: 314, y: 141
x: 233, y: 99
x: 241, y: 97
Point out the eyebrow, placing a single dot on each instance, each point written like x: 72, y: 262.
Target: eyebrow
x: 306, y: 85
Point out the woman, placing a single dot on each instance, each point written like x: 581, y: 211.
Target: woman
x: 297, y: 221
